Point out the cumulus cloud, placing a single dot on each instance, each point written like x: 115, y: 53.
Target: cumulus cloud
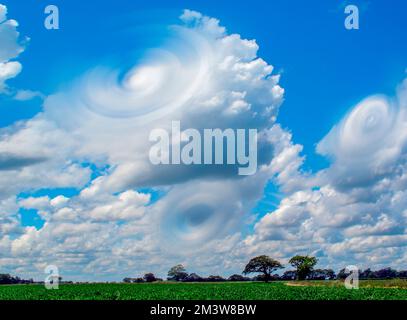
x: 36, y: 154
x: 11, y: 46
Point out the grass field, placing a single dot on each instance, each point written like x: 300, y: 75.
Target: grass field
x: 316, y: 290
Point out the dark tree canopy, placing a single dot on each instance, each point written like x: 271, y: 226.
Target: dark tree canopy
x: 289, y: 275
x: 322, y: 274
x: 193, y: 277
x: 149, y: 277
x: 263, y: 264
x: 8, y: 279
x: 238, y: 277
x: 212, y: 278
x: 304, y: 265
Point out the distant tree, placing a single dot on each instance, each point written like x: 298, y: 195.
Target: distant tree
x: 289, y: 275
x: 127, y: 280
x: 138, y: 280
x: 304, y: 265
x: 263, y: 264
x: 149, y: 277
x: 238, y: 277
x: 260, y: 277
x: 367, y: 274
x: 275, y: 277
x: 386, y: 273
x: 402, y: 274
x: 8, y: 279
x: 177, y: 273
x: 330, y: 274
x: 322, y: 274
x: 193, y: 277
x: 215, y: 279
x: 342, y: 274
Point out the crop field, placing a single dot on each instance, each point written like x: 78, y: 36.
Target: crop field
x: 323, y: 290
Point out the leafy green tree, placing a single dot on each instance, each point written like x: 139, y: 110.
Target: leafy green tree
x: 177, y: 273
x: 263, y: 264
x: 304, y: 265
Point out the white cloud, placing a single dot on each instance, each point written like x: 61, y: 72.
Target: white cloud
x: 24, y: 95
x: 10, y: 48
x: 368, y: 143
x: 354, y: 211
x: 36, y: 154
x: 8, y: 70
x: 39, y: 203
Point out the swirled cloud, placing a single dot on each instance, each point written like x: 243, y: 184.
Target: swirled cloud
x: 163, y: 82
x: 368, y: 142
x: 201, y: 75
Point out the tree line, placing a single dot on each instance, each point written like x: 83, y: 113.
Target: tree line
x: 265, y: 267
x: 9, y: 279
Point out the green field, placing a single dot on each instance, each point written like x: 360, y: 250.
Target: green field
x: 323, y: 290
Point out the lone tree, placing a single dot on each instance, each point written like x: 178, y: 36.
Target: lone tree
x: 304, y: 265
x: 177, y: 273
x: 149, y: 277
x: 263, y: 264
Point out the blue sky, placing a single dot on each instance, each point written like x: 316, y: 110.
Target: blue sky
x: 325, y: 69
